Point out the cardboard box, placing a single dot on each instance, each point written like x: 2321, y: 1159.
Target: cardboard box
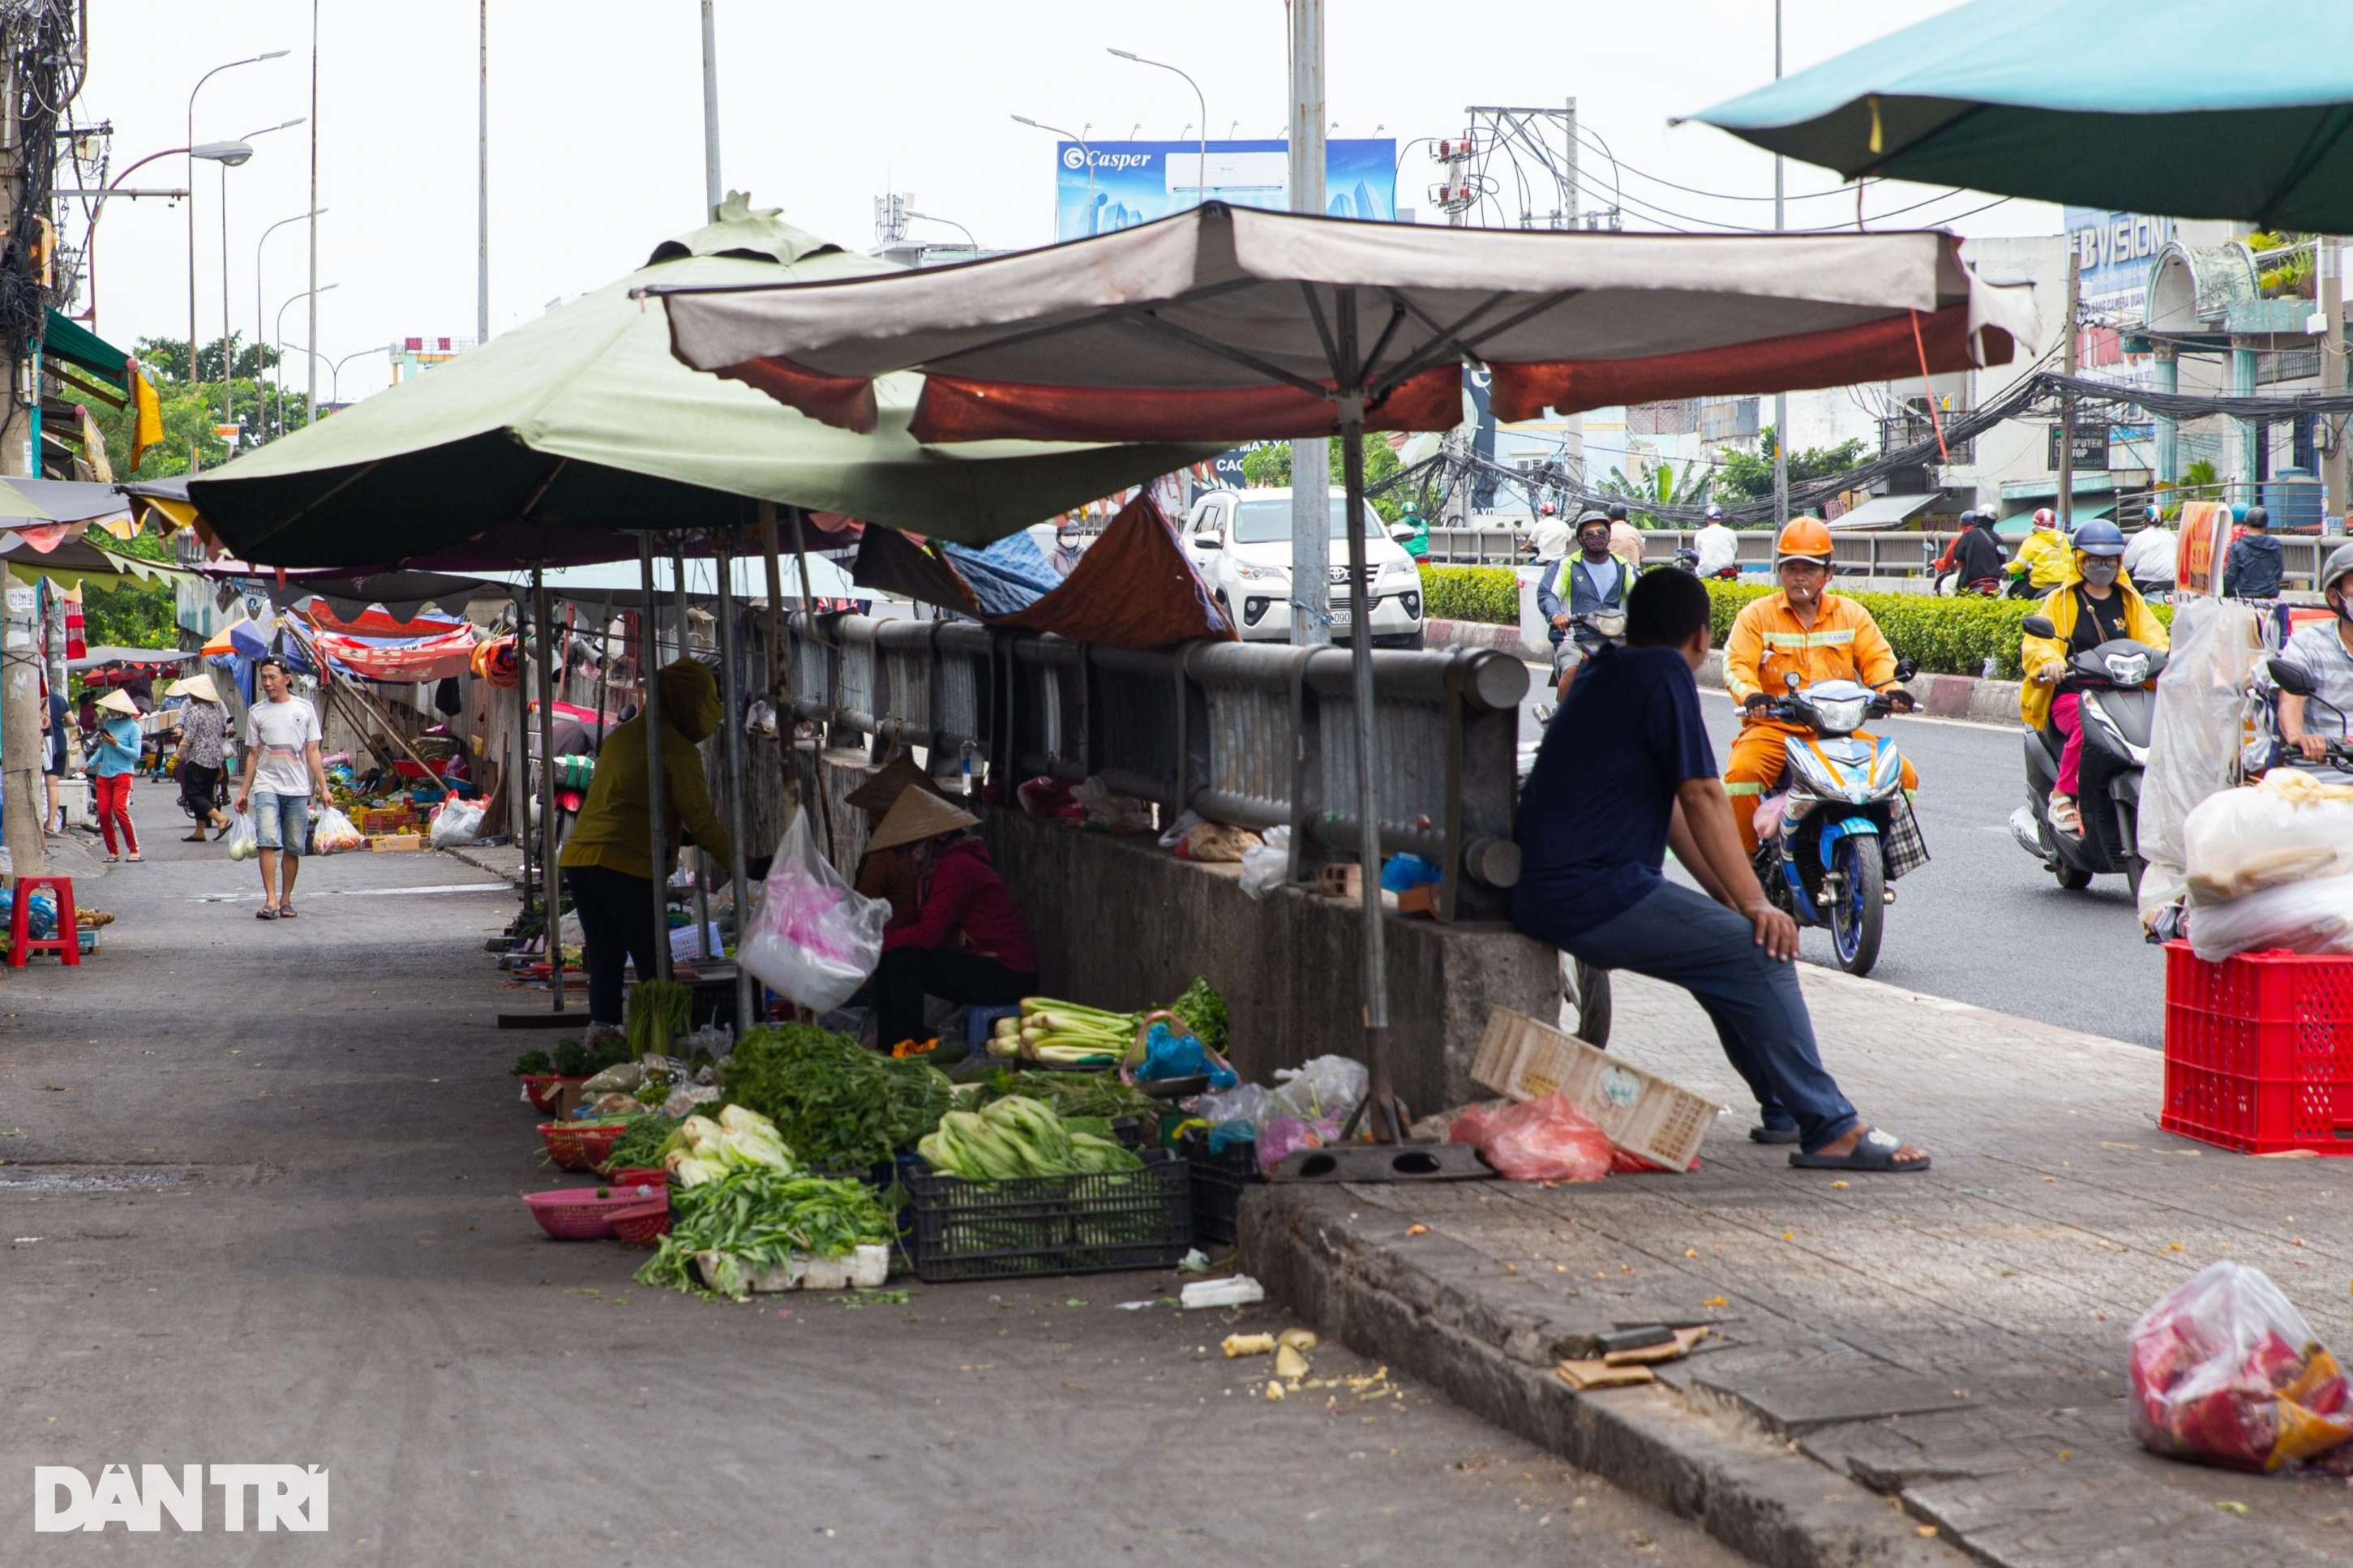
x: 1642, y: 1113
x: 395, y: 841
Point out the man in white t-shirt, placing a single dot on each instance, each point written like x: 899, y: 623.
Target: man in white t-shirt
x: 1551, y: 537
x: 281, y: 765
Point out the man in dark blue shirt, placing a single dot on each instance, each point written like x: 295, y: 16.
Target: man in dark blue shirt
x: 1626, y: 773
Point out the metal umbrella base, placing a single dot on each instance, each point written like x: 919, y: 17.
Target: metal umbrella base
x: 1384, y: 1162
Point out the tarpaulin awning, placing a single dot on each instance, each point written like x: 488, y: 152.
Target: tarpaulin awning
x: 68, y: 557
x: 399, y: 661
x: 65, y: 339
x: 373, y: 622
x: 1885, y: 511
x: 100, y: 657
x: 2182, y: 107
x: 1224, y: 323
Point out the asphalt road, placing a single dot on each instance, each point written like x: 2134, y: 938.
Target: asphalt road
x: 1983, y: 922
x: 259, y: 1197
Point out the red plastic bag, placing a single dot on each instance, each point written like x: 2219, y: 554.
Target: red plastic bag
x: 1546, y: 1139
x: 2226, y: 1372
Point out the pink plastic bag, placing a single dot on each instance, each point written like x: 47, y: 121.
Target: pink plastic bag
x: 1546, y: 1139
x: 2225, y: 1371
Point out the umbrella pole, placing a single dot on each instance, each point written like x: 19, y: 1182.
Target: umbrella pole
x: 776, y: 612
x: 603, y: 668
x: 550, y: 898
x: 809, y: 608
x: 1383, y: 1122
x: 731, y: 693
x: 650, y: 709
x: 686, y: 651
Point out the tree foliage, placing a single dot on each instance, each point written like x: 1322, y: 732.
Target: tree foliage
x: 1748, y: 476
x: 1657, y: 484
x: 1269, y: 464
x: 192, y: 410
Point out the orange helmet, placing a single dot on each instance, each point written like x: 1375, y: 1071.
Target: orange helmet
x: 1804, y: 538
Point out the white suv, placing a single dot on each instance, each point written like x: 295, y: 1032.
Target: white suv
x: 1239, y: 541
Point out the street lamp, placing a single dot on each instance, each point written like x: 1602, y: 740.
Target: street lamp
x: 1085, y: 153
x: 278, y: 337
x: 257, y: 244
x: 950, y: 222
x: 229, y: 153
x: 228, y: 413
x: 335, y: 371
x: 98, y: 207
x: 1201, y: 179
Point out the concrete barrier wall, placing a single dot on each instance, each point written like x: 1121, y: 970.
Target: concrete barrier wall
x: 1120, y: 923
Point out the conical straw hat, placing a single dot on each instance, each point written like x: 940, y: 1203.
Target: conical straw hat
x: 119, y: 701
x: 877, y: 795
x: 199, y: 685
x: 918, y: 814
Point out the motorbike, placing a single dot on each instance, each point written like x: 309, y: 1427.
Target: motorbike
x: 1824, y: 863
x: 2335, y: 766
x: 2118, y: 685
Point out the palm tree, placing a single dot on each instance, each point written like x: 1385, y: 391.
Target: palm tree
x: 1658, y: 485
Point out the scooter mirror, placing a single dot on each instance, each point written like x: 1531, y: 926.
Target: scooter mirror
x: 2292, y: 679
x: 2038, y: 626
x: 1790, y: 680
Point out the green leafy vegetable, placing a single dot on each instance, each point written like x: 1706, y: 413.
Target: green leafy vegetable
x: 533, y: 1064
x: 640, y: 1148
x: 658, y: 1012
x: 757, y: 1218
x: 840, y: 1105
x: 1204, y: 1010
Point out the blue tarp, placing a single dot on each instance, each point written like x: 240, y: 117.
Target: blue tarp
x: 1009, y: 576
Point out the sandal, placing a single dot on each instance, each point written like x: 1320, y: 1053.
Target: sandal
x: 265, y: 912
x: 1774, y: 1135
x: 1874, y: 1151
x: 285, y: 911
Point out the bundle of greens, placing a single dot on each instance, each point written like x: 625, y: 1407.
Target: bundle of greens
x: 1017, y: 1136
x: 657, y: 1012
x: 703, y: 1150
x: 1071, y: 1094
x: 840, y: 1105
x: 640, y: 1148
x: 1204, y: 1010
x: 757, y: 1218
x: 573, y: 1059
x: 1071, y: 1034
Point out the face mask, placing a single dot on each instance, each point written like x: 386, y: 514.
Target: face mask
x: 2100, y: 569
x: 2343, y: 603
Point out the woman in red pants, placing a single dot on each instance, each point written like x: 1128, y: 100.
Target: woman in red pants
x: 110, y: 769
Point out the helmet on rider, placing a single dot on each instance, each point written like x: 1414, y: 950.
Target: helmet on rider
x: 1713, y: 513
x: 1546, y: 509
x: 2100, y: 537
x: 1616, y: 511
x: 2337, y: 571
x: 2257, y: 517
x: 1804, y: 539
x: 2045, y: 517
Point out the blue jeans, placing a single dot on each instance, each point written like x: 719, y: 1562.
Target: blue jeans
x: 281, y: 821
x: 1689, y: 940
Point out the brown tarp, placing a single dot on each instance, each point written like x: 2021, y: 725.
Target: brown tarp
x: 1132, y: 588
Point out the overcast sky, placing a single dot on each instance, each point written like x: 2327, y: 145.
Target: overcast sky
x: 596, y: 127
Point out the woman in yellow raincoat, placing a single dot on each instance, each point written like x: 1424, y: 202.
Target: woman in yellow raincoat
x: 2096, y: 603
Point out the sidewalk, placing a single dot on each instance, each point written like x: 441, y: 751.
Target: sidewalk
x: 1953, y: 1342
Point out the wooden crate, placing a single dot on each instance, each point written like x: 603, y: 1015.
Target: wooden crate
x: 1641, y: 1113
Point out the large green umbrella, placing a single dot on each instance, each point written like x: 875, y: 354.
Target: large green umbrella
x: 2180, y: 107
x: 582, y: 419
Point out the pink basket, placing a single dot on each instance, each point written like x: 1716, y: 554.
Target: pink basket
x: 642, y: 1225
x: 577, y: 1213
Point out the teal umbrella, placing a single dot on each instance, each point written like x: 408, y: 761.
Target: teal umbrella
x: 2180, y: 107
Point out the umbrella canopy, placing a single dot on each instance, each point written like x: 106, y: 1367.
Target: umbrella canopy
x: 582, y: 419
x: 1232, y: 318
x: 2178, y: 106
x: 67, y: 557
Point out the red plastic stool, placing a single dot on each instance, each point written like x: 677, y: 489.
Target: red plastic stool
x: 22, y: 944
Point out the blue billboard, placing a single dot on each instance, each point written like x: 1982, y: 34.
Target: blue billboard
x: 1107, y: 185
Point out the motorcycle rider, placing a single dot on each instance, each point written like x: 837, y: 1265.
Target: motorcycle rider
x: 1717, y: 546
x: 2325, y: 650
x: 1625, y: 539
x: 1976, y: 554
x: 1596, y: 581
x: 1550, y: 538
x: 2097, y: 604
x: 2251, y: 570
x: 2041, y: 561
x: 1804, y: 628
x: 2149, y: 556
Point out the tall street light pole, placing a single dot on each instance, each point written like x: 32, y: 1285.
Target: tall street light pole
x: 310, y: 340
x: 1085, y: 153
x: 1310, y: 461
x: 228, y: 407
x: 1780, y: 399
x: 335, y: 374
x: 258, y: 317
x: 253, y: 60
x: 1201, y: 173
x: 278, y: 337
x: 483, y: 195
x: 711, y: 191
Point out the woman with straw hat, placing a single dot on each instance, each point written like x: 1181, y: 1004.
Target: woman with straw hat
x: 117, y: 758
x: 203, y: 750
x: 967, y: 942
x: 884, y: 873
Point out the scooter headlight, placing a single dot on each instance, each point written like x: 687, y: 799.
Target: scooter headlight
x: 1843, y: 716
x: 2127, y: 668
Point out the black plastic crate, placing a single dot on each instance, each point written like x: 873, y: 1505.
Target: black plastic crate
x: 1217, y: 1181
x: 1052, y: 1225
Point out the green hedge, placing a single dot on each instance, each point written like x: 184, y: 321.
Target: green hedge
x: 1489, y: 593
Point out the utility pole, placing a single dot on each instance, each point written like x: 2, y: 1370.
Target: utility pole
x: 2066, y: 507
x: 310, y: 342
x: 482, y: 192
x: 2332, y: 364
x: 1310, y: 461
x: 1568, y: 165
x: 711, y: 191
x: 1780, y: 399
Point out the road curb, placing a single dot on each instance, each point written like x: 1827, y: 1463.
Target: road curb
x: 1419, y: 1313
x: 1973, y: 699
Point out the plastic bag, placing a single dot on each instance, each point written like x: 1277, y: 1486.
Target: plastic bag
x: 456, y: 823
x: 2240, y: 841
x: 2225, y: 1371
x: 334, y: 833
x: 1232, y: 1114
x: 244, y: 844
x: 1218, y: 842
x: 1265, y: 868
x: 1115, y: 812
x: 1546, y: 1139
x: 813, y: 938
x: 2303, y: 917
x: 1310, y: 1106
x: 2194, y: 740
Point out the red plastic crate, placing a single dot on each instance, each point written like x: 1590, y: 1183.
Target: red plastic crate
x: 2259, y: 1052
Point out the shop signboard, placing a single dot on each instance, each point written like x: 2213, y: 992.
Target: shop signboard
x: 2091, y: 448
x: 1106, y: 185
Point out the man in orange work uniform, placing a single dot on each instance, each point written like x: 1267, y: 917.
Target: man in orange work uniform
x: 1803, y: 629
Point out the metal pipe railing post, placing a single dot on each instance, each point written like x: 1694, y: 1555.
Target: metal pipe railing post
x: 686, y: 651
x: 650, y: 709
x: 551, y: 895
x: 729, y: 697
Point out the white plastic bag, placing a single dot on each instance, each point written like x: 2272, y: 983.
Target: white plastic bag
x: 456, y: 823
x: 244, y: 844
x: 813, y: 938
x: 2241, y: 841
x: 2313, y: 917
x: 1265, y: 868
x: 334, y: 833
x: 2194, y: 740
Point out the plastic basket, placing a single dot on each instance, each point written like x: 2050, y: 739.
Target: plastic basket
x: 1218, y: 1183
x: 641, y: 1223
x: 542, y: 1088
x: 577, y: 1213
x: 1052, y: 1225
x: 2259, y: 1052
x: 577, y: 1147
x: 640, y: 1176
